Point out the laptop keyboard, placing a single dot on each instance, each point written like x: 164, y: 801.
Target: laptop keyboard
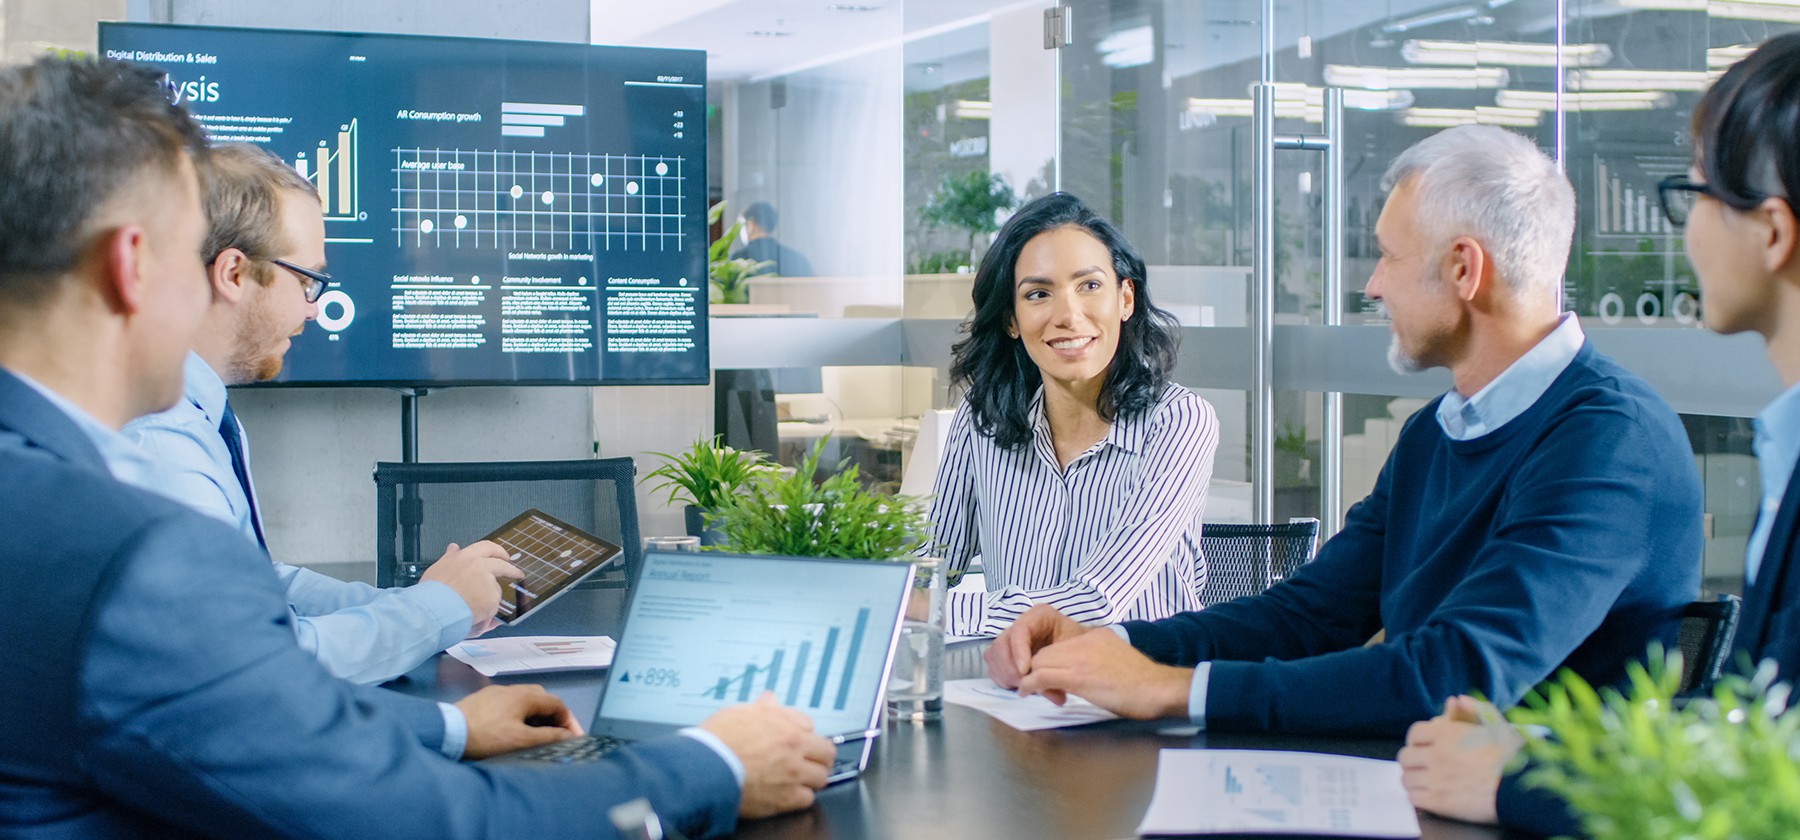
x: 573, y: 750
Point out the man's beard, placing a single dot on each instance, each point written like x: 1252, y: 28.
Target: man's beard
x: 1398, y: 359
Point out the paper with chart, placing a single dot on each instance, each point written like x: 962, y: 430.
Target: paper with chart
x: 1272, y: 792
x: 1024, y: 713
x: 502, y: 656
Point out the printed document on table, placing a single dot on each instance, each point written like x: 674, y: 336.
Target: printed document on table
x: 534, y: 654
x: 1026, y: 713
x: 1272, y: 792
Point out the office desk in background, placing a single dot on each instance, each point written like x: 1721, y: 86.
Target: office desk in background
x: 967, y: 776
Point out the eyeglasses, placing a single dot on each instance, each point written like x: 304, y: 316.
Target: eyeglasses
x: 1677, y: 194
x: 314, y: 282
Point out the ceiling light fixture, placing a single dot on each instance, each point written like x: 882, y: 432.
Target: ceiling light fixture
x: 1451, y: 15
x: 1778, y: 11
x: 1128, y: 47
x: 1393, y: 78
x: 1514, y: 53
x: 1604, y: 100
x: 1638, y: 79
x: 1721, y: 58
x: 1483, y: 115
x: 973, y: 109
x: 1293, y: 109
x: 1361, y: 100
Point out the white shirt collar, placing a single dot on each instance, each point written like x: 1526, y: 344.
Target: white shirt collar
x: 1516, y: 388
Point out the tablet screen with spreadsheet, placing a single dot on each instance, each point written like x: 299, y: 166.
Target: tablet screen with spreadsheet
x: 554, y: 556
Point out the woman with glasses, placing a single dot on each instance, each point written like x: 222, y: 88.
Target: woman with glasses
x: 1074, y: 468
x: 1743, y: 237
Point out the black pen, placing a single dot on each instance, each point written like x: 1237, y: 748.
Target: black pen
x: 858, y: 735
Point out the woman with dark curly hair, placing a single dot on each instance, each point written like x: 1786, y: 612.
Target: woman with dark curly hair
x: 1074, y: 468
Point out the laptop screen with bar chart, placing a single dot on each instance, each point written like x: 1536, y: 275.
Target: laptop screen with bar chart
x: 706, y: 630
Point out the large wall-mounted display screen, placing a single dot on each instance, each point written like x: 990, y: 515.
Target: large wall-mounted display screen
x: 495, y: 211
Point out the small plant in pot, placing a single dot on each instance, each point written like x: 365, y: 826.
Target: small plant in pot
x: 782, y: 513
x: 703, y: 478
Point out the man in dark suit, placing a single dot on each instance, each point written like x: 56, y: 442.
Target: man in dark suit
x: 154, y: 685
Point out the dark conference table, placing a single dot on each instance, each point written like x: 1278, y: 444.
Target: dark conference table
x: 966, y: 776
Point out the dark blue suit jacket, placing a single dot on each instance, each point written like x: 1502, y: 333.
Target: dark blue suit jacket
x: 154, y: 687
x: 1770, y: 625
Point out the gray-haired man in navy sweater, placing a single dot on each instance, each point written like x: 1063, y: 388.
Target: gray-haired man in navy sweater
x: 1543, y: 513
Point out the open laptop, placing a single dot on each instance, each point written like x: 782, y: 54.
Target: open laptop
x: 708, y: 630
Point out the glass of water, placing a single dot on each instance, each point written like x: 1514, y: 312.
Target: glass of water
x: 674, y: 543
x: 916, y: 685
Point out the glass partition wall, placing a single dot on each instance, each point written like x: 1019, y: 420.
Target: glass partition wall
x: 1259, y: 237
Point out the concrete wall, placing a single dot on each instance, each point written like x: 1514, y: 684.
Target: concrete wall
x: 27, y: 27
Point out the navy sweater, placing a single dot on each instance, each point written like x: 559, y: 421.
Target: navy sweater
x: 1568, y: 536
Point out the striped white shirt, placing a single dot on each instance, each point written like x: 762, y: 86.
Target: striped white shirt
x: 1114, y: 537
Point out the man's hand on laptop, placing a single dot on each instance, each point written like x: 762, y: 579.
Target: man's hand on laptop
x: 784, y: 762
x: 473, y: 573
x: 1009, y: 657
x: 503, y: 718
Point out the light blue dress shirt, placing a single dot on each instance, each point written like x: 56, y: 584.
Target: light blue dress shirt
x: 1777, y: 445
x: 123, y: 458
x: 1496, y: 404
x: 1516, y: 388
x: 358, y: 632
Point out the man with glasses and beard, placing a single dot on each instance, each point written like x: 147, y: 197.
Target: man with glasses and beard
x: 265, y: 252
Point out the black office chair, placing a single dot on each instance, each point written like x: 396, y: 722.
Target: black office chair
x: 1707, y: 631
x: 1247, y: 559
x: 420, y: 508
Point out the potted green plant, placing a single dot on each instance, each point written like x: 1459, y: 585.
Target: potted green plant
x: 728, y: 278
x: 1639, y: 764
x: 971, y: 203
x: 788, y: 513
x: 703, y: 478
x: 778, y: 512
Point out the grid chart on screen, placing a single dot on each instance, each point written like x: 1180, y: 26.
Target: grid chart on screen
x: 550, y: 554
x: 457, y: 198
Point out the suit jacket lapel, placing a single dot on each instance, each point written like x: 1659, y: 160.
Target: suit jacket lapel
x: 1760, y: 598
x: 43, y: 425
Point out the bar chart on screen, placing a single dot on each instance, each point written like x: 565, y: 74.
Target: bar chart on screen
x: 333, y: 168
x: 829, y: 680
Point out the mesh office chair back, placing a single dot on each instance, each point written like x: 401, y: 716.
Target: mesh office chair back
x: 420, y: 508
x: 1705, y: 636
x: 1247, y: 559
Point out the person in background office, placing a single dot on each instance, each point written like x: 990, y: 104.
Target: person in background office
x: 1544, y: 513
x: 154, y: 687
x: 1743, y: 238
x: 1073, y: 467
x: 761, y: 245
x: 265, y: 253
